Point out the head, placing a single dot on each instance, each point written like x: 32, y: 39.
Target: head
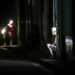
x: 54, y: 31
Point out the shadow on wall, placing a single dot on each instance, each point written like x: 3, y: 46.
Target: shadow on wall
x: 35, y: 37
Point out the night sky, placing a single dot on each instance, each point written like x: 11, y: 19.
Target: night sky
x: 7, y: 9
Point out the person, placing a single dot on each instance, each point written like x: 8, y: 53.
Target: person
x: 52, y: 46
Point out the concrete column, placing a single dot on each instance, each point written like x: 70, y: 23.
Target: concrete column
x: 18, y: 22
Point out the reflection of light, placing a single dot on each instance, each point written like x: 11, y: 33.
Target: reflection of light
x: 69, y: 44
x: 10, y: 22
x: 3, y: 31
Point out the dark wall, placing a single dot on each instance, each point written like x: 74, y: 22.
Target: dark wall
x: 45, y: 18
x: 39, y: 12
x: 30, y: 22
x: 73, y: 23
x: 37, y: 7
x: 42, y: 17
x: 68, y: 17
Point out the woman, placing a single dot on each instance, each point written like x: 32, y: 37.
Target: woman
x: 52, y: 47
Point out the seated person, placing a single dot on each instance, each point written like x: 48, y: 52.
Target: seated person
x: 52, y: 47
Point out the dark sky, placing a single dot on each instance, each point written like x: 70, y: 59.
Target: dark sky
x: 7, y: 9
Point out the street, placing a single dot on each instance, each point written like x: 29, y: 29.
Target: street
x: 18, y: 60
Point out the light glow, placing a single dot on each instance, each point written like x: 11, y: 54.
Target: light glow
x: 10, y: 23
x: 3, y: 31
